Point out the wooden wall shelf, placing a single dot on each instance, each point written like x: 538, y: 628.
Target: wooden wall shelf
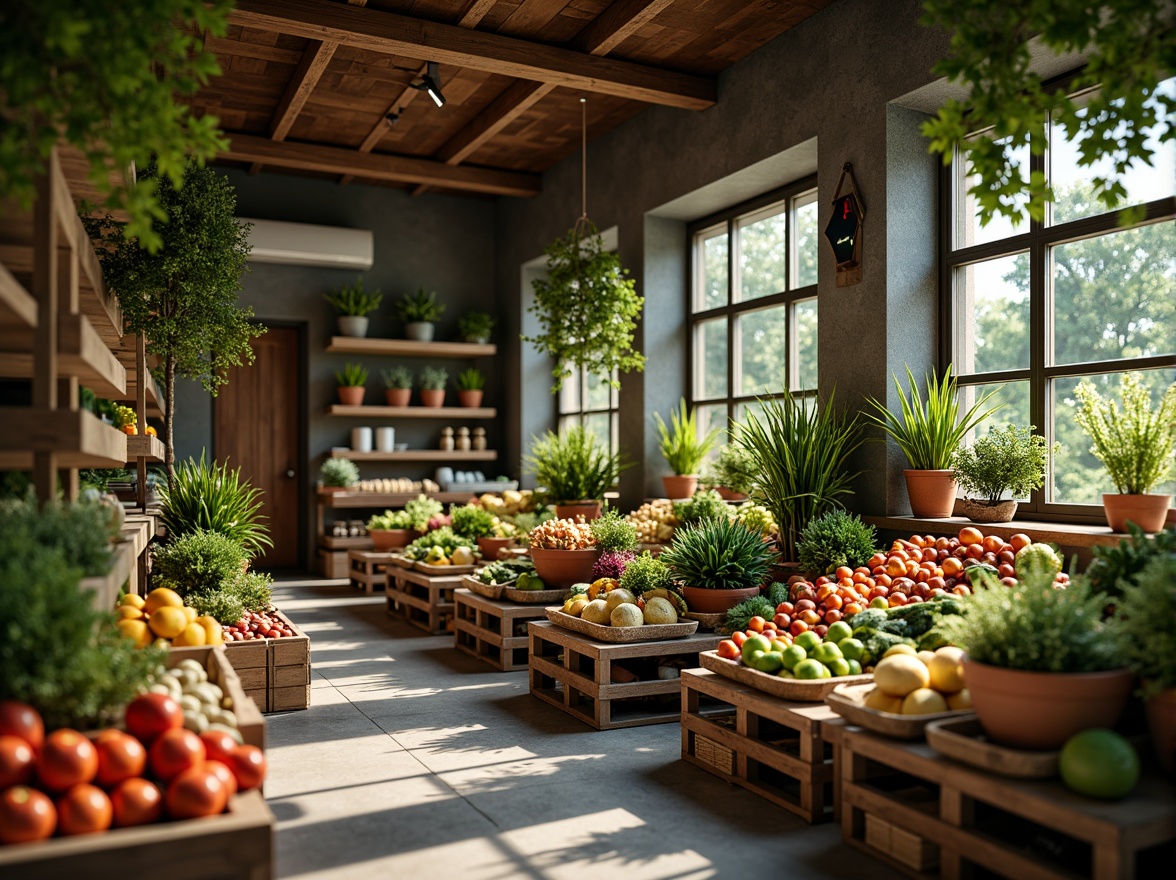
x: 145, y: 446
x: 411, y: 412
x: 418, y: 455
x: 409, y: 347
x: 363, y: 500
x: 1063, y: 534
x: 80, y: 439
x: 80, y: 352
x: 17, y: 306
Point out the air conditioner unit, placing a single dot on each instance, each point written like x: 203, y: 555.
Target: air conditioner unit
x: 303, y: 244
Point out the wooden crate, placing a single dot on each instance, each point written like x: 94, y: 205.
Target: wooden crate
x: 776, y: 746
x: 609, y: 685
x: 494, y: 631
x: 424, y: 601
x: 215, y: 660
x: 237, y: 845
x: 250, y: 660
x: 368, y: 569
x: 332, y: 564
x: 976, y: 823
x: 275, y: 672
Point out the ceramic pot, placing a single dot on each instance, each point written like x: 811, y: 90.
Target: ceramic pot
x: 491, y: 546
x: 984, y: 512
x: 476, y: 340
x: 559, y: 569
x: 1161, y: 721
x: 421, y: 331
x: 932, y: 493
x: 680, y: 486
x: 351, y: 395
x: 388, y: 539
x: 1041, y: 710
x: 704, y: 601
x: 727, y: 495
x: 433, y: 397
x: 1147, y: 511
x: 397, y: 396
x: 590, y: 510
x: 352, y: 325
x: 470, y: 399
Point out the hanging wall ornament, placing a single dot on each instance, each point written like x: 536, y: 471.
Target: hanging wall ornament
x: 844, y: 231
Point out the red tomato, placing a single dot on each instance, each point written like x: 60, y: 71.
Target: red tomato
x: 174, y: 752
x: 196, y: 792
x: 222, y: 770
x: 728, y: 650
x: 832, y: 615
x: 217, y: 745
x: 248, y: 765
x: 25, y: 815
x: 16, y: 761
x: 136, y: 802
x: 21, y: 719
x: 67, y: 759
x: 84, y: 809
x: 120, y: 756
x: 739, y: 638
x: 150, y: 715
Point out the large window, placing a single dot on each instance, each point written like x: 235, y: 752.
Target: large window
x: 593, y: 401
x: 753, y: 304
x: 1033, y: 309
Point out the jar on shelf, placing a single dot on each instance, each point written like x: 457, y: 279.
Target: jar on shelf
x: 479, y: 441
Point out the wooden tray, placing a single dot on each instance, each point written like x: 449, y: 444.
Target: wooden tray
x: 784, y: 688
x: 846, y: 701
x: 706, y: 621
x: 532, y: 597
x: 622, y: 634
x: 402, y: 561
x: 490, y: 591
x: 962, y: 739
x: 443, y: 570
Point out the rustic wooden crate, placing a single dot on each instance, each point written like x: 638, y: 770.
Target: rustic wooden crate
x: 367, y: 569
x: 237, y: 845
x: 275, y: 672
x: 979, y: 823
x: 250, y: 660
x: 332, y: 564
x: 215, y: 660
x: 591, y: 681
x: 424, y: 601
x: 779, y: 752
x: 493, y: 631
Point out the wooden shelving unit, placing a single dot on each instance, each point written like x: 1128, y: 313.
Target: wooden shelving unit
x: 417, y: 455
x: 145, y: 446
x: 411, y: 412
x: 409, y: 348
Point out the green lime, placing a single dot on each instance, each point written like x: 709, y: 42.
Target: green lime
x: 855, y: 668
x: 793, y: 655
x: 879, y: 602
x: 807, y: 640
x: 851, y: 649
x: 809, y: 670
x: 825, y: 673
x: 769, y: 662
x: 753, y: 644
x: 826, y: 652
x: 1099, y: 763
x: 838, y: 631
x: 785, y: 673
x: 839, y: 667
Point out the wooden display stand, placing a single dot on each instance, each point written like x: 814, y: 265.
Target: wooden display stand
x: 609, y: 685
x: 493, y: 631
x: 368, y: 569
x: 425, y: 602
x: 770, y: 746
x: 274, y: 672
x: 928, y: 816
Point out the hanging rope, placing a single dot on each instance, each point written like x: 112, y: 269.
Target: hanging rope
x: 583, y: 158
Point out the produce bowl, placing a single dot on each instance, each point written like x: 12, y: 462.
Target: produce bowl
x: 847, y: 701
x: 785, y: 688
x: 559, y: 569
x: 622, y: 634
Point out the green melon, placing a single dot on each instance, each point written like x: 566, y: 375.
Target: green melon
x: 1099, y: 763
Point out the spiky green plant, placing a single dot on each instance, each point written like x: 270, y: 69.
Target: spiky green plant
x: 353, y: 300
x: 421, y: 306
x: 339, y: 473
x: 1134, y: 443
x: 573, y: 465
x: 471, y: 380
x: 833, y: 539
x: 214, y: 498
x: 352, y: 376
x: 681, y: 445
x: 718, y: 554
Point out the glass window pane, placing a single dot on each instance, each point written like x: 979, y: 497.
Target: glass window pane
x: 763, y: 351
x: 569, y: 393
x: 968, y: 229
x: 1015, y: 410
x: 600, y: 424
x: 1114, y: 296
x: 992, y: 315
x: 711, y: 285
x: 712, y: 416
x: 762, y: 255
x: 710, y: 359
x: 804, y: 320
x: 807, y: 241
x: 599, y: 394
x: 1073, y: 192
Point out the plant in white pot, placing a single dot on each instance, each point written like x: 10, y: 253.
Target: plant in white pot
x: 683, y: 449
x: 419, y: 312
x: 1011, y: 460
x: 475, y: 327
x: 433, y: 381
x: 351, y: 380
x: 470, y: 385
x: 354, y: 304
x: 397, y: 386
x: 1135, y: 444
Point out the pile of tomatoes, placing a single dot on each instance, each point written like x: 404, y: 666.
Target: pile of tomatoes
x: 257, y: 625
x: 69, y: 783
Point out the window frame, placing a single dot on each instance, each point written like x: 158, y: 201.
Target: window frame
x: 580, y: 377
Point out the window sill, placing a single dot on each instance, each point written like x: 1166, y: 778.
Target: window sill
x: 1063, y: 534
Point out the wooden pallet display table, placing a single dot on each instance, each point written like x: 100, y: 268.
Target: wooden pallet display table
x: 941, y: 818
x: 608, y: 685
x: 493, y: 630
x: 368, y: 569
x: 424, y: 601
x: 769, y: 746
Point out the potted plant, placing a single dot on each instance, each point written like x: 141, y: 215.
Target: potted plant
x: 354, y: 304
x: 475, y: 327
x: 929, y: 435
x: 564, y: 552
x: 717, y: 563
x: 433, y: 381
x: 701, y: 506
x: 214, y: 498
x: 338, y: 475
x: 575, y: 469
x: 617, y: 539
x: 419, y: 312
x: 470, y: 383
x: 1136, y: 445
x: 683, y: 449
x: 389, y: 530
x: 732, y: 473
x: 351, y: 380
x: 833, y: 539
x: 397, y: 386
x: 1010, y: 460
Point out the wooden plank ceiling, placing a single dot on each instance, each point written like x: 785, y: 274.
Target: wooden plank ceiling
x: 324, y: 87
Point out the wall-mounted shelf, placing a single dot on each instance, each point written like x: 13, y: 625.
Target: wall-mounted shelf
x: 418, y: 455
x: 409, y: 347
x: 80, y: 352
x: 145, y: 446
x: 80, y: 439
x: 411, y: 412
x: 352, y: 500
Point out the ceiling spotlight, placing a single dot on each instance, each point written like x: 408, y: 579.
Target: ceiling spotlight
x: 392, y: 118
x: 431, y: 83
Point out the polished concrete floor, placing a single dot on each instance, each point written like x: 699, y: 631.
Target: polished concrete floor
x: 415, y: 758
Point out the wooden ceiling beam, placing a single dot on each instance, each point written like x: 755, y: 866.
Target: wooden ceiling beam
x: 616, y: 24
x: 392, y: 34
x: 311, y: 67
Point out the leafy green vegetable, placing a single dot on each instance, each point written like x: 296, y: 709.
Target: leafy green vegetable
x: 420, y: 510
x: 877, y: 643
x: 81, y: 531
x: 739, y: 615
x: 471, y: 522
x: 1116, y: 567
x: 645, y: 573
x: 777, y: 592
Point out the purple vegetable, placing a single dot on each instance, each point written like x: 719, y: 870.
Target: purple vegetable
x: 611, y: 564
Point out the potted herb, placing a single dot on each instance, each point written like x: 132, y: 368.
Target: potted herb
x: 833, y: 539
x: 351, y: 380
x: 1135, y: 445
x: 929, y: 435
x: 433, y: 381
x: 644, y: 573
x: 732, y: 473
x: 683, y: 449
x: 617, y: 539
x: 717, y: 563
x: 564, y: 552
x: 419, y: 312
x: 397, y: 386
x: 1115, y: 566
x: 475, y: 327
x: 214, y: 498
x: 575, y: 469
x: 389, y: 530
x: 478, y: 524
x: 702, y: 506
x: 1011, y: 460
x: 338, y: 475
x: 354, y: 304
x: 470, y: 383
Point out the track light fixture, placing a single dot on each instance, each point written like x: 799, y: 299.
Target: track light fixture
x: 392, y: 118
x: 431, y: 83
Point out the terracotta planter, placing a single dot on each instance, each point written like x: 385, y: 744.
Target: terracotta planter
x: 334, y: 488
x: 704, y: 601
x: 1041, y: 710
x: 432, y: 398
x: 590, y: 510
x: 680, y: 486
x: 727, y: 495
x: 562, y: 568
x: 1147, y: 511
x: 932, y: 493
x: 984, y: 512
x: 470, y: 399
x: 491, y: 546
x: 397, y: 396
x: 352, y: 325
x: 1161, y: 721
x: 388, y: 539
x: 351, y: 395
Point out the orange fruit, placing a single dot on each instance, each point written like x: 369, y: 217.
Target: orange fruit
x: 126, y: 612
x: 970, y: 535
x: 130, y: 430
x: 191, y: 612
x: 151, y: 431
x: 135, y: 630
x: 191, y: 636
x: 214, y: 634
x: 168, y: 622
x: 161, y: 598
x: 132, y: 600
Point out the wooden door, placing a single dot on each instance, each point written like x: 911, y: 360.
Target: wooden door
x: 257, y: 422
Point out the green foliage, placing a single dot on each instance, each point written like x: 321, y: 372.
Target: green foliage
x: 353, y: 300
x: 524, y: 522
x: 702, y: 506
x: 352, y: 376
x: 645, y: 573
x: 587, y: 308
x: 80, y: 532
x: 738, y: 616
x: 434, y: 378
x: 573, y: 465
x: 1011, y: 459
x: 421, y: 306
x: 757, y: 518
x: 214, y: 498
x: 471, y: 379
x: 680, y: 445
x: 777, y: 592
x: 1128, y: 46
x: 471, y: 522
x: 422, y: 509
x: 833, y: 539
x: 198, y: 561
x: 248, y: 591
x: 1145, y: 624
x: 613, y: 532
x: 733, y: 468
x: 389, y: 520
x: 802, y: 458
x: 397, y: 377
x: 717, y: 554
x: 1114, y: 568
x: 101, y: 478
x: 124, y: 415
x: 340, y: 473
x: 114, y: 87
x: 1134, y: 443
x: 475, y: 327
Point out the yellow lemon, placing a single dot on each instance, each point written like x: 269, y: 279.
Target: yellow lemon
x: 168, y: 622
x: 136, y: 631
x: 214, y: 634
x: 191, y: 612
x: 192, y: 635
x: 947, y: 670
x: 126, y: 612
x: 131, y: 600
x: 162, y: 598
